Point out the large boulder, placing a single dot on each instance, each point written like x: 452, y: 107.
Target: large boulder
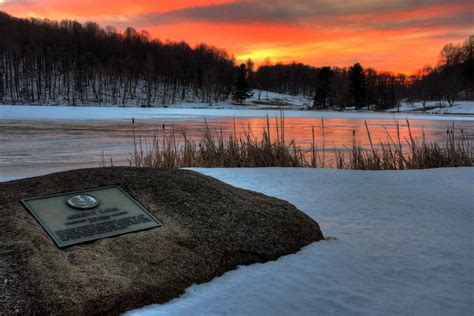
x: 209, y: 227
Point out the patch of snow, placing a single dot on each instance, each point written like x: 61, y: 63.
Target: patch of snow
x: 434, y: 107
x: 6, y: 179
x: 401, y: 243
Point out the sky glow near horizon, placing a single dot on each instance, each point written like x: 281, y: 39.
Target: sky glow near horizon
x: 398, y: 36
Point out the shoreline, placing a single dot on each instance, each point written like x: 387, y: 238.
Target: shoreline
x: 79, y: 113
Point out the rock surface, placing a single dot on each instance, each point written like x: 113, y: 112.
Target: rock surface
x: 208, y: 228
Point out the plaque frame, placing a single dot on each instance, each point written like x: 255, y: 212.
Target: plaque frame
x: 61, y: 245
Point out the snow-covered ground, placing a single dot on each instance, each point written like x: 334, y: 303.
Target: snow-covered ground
x: 401, y: 243
x: 267, y: 100
x: 259, y: 100
x: 434, y: 107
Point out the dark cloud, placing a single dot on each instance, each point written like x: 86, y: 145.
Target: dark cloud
x: 287, y: 11
x: 236, y: 12
x: 462, y: 20
x: 15, y: 2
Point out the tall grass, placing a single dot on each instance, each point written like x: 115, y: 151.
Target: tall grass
x: 171, y: 149
x: 420, y: 154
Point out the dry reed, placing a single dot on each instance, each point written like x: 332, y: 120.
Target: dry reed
x: 170, y: 149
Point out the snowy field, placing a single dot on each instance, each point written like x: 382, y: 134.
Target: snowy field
x: 433, y: 107
x: 401, y: 242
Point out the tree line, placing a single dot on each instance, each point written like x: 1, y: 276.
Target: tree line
x: 66, y: 62
x: 333, y: 87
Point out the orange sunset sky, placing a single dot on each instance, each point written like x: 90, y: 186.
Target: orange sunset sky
x: 395, y: 35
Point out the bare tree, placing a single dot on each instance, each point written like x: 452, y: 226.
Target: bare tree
x: 340, y: 87
x: 452, y: 86
x: 420, y: 84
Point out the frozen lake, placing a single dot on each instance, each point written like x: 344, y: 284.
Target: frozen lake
x: 37, y: 140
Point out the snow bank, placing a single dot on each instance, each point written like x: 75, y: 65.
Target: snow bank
x: 28, y: 112
x: 460, y: 107
x: 401, y: 243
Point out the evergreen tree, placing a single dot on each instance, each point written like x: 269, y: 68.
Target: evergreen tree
x: 357, y: 86
x: 242, y: 89
x: 323, y: 88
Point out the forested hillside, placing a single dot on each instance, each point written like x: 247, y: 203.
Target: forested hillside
x: 66, y: 62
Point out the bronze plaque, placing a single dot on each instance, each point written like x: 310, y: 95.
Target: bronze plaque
x: 77, y: 217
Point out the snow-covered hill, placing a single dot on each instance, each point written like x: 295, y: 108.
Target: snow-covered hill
x: 259, y: 100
